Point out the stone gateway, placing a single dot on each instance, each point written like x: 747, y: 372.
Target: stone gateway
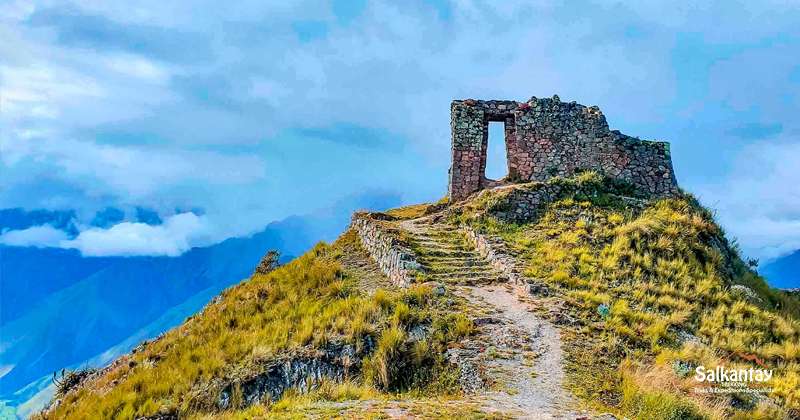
x: 546, y: 138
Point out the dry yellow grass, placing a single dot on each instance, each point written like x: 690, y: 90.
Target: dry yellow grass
x: 287, y: 313
x: 664, y: 270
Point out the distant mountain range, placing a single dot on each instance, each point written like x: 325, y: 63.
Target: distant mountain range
x: 59, y: 309
x: 783, y: 272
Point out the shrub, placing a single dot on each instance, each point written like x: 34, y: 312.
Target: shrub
x: 387, y: 362
x: 603, y: 311
x: 270, y: 262
x: 70, y: 379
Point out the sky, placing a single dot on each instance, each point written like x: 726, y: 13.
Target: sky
x: 224, y: 116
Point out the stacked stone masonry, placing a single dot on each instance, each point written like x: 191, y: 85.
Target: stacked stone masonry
x: 393, y: 257
x: 524, y: 202
x: 546, y: 138
x: 494, y: 250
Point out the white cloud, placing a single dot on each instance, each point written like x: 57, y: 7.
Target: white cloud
x: 175, y: 236
x: 137, y: 67
x: 44, y: 236
x: 217, y: 86
x: 759, y: 202
x: 270, y: 90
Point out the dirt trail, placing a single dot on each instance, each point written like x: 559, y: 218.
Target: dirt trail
x: 537, y: 390
x: 519, y: 352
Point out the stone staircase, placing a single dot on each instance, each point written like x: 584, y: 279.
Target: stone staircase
x: 504, y: 323
x: 447, y: 258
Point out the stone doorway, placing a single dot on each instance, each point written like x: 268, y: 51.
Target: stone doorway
x: 496, y: 155
x: 470, y: 122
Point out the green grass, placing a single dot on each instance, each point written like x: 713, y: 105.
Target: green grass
x: 664, y: 269
x: 287, y: 313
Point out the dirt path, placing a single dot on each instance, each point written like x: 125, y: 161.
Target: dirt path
x: 519, y: 352
x: 534, y: 367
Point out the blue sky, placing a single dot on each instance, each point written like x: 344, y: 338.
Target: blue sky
x: 253, y: 111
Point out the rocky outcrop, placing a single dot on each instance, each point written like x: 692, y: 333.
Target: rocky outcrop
x: 386, y: 246
x: 301, y: 374
x: 467, y: 358
x: 336, y: 362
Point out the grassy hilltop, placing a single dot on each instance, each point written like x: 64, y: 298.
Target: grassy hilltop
x: 656, y: 289
x: 653, y: 289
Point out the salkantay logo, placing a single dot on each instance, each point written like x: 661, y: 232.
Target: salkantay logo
x: 723, y: 380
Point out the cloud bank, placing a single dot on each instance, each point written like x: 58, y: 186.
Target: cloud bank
x: 176, y: 235
x: 761, y: 200
x: 254, y: 111
x: 43, y: 236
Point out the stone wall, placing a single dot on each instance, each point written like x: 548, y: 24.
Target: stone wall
x: 467, y: 127
x: 525, y: 202
x: 385, y: 246
x: 546, y: 138
x: 494, y: 250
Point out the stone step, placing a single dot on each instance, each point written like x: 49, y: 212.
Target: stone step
x: 440, y: 256
x: 436, y: 254
x: 470, y: 271
x: 466, y: 275
x: 460, y: 262
x: 447, y: 258
x: 440, y: 227
x: 472, y: 281
x: 450, y: 253
x: 441, y: 268
x: 434, y: 244
x: 430, y: 248
x: 439, y: 233
x: 444, y: 236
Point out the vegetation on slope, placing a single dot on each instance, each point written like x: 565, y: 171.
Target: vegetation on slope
x: 325, y: 299
x: 652, y: 286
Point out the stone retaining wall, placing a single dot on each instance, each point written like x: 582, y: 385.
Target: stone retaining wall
x: 524, y: 202
x: 384, y: 245
x: 494, y: 250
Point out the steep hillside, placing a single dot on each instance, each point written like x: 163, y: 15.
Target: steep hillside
x: 651, y: 291
x: 31, y: 274
x: 323, y: 315
x: 592, y: 300
x: 61, y: 309
x: 783, y: 272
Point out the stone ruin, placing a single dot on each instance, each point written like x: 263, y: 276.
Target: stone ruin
x: 546, y: 138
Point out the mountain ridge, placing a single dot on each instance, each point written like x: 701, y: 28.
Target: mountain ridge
x: 783, y: 272
x: 639, y: 291
x: 88, y: 311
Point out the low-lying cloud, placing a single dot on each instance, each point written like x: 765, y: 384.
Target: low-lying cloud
x: 44, y: 236
x: 758, y: 202
x: 176, y: 235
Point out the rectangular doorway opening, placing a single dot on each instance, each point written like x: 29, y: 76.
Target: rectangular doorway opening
x: 496, y: 158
